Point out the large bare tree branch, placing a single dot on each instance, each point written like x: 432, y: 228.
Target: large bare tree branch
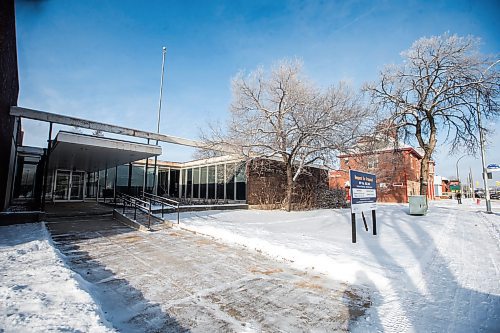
x: 436, y: 89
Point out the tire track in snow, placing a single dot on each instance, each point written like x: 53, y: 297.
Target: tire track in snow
x: 405, y: 303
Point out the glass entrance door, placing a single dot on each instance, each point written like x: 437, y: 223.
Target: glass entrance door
x: 68, y: 185
x: 62, y: 185
x: 76, y: 192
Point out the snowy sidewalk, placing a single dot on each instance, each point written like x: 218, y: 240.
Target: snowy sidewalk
x: 177, y: 281
x: 435, y: 273
x: 38, y: 292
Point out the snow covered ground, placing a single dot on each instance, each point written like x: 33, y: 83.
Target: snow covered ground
x: 38, y: 292
x: 433, y: 273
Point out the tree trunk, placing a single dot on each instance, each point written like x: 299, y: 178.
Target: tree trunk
x: 289, y: 187
x: 424, y: 174
x: 428, y: 151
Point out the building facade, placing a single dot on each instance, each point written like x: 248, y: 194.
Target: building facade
x: 222, y: 180
x: 397, y: 171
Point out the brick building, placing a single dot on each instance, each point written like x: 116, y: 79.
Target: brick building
x: 397, y: 171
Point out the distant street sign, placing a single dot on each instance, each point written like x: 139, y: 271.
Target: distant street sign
x: 493, y: 167
x: 363, y: 191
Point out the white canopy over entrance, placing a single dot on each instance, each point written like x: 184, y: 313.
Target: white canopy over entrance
x: 88, y: 153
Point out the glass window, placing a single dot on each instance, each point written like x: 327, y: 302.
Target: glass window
x: 174, y: 183
x: 76, y: 190
x: 50, y: 186
x: 137, y: 180
x: 220, y: 181
x: 211, y: 182
x: 183, y: 183
x: 91, y: 185
x: 122, y: 175
x: 25, y: 179
x: 151, y: 179
x: 241, y: 184
x: 189, y: 183
x: 162, y: 181
x: 102, y: 175
x: 196, y: 183
x: 373, y: 164
x: 230, y: 167
x: 137, y: 175
x: 107, y: 183
x: 203, y: 183
x: 62, y: 185
x: 241, y: 172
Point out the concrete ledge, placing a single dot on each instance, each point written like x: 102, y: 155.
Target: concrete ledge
x: 199, y: 208
x: 9, y: 218
x: 128, y: 222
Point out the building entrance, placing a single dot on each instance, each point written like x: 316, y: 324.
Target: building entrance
x: 68, y: 185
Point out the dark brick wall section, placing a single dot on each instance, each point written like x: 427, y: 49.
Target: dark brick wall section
x: 9, y: 88
x: 266, y: 184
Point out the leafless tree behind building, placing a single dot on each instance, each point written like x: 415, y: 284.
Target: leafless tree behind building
x: 282, y: 115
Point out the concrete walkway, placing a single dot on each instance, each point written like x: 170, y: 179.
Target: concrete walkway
x: 176, y: 281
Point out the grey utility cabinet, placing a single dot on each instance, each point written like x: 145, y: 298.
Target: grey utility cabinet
x: 418, y: 204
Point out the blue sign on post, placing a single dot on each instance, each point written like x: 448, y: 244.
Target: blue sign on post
x: 363, y: 198
x: 493, y: 167
x: 363, y: 191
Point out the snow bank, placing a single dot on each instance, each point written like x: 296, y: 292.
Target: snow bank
x: 39, y: 293
x: 317, y: 240
x: 336, y: 268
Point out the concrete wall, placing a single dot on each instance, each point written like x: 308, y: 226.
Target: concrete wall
x: 9, y: 90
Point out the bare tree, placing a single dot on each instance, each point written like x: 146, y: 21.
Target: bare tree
x: 284, y: 116
x: 77, y: 130
x: 98, y: 133
x: 439, y: 87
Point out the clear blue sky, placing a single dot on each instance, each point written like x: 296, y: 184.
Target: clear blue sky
x: 101, y: 60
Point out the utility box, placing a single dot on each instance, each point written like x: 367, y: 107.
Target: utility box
x: 418, y: 204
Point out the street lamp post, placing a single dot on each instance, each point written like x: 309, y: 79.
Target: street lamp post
x: 163, y: 53
x: 458, y: 174
x: 481, y: 142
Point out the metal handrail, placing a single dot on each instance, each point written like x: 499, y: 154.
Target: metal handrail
x: 136, y: 203
x: 164, y: 202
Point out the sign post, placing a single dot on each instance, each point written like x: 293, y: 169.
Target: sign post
x: 363, y: 198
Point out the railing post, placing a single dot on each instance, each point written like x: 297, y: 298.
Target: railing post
x: 162, y: 209
x: 123, y: 199
x: 135, y: 210
x: 149, y: 215
x: 178, y: 214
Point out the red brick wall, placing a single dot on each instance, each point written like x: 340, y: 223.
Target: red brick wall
x: 9, y: 90
x: 398, y: 173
